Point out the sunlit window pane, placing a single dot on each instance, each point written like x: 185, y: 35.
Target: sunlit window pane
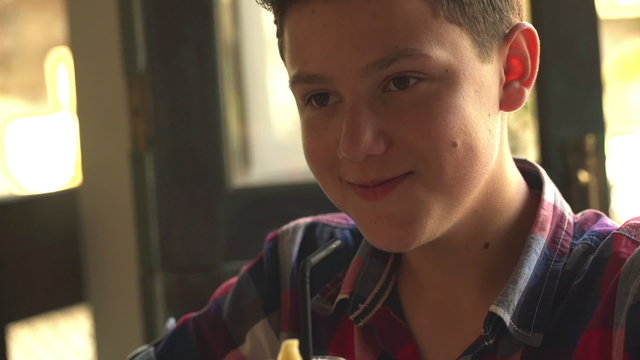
x: 620, y: 43
x: 263, y: 131
x: 39, y: 138
x: 63, y: 334
x: 618, y: 9
x: 524, y: 136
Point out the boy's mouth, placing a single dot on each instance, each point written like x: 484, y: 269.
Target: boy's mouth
x: 377, y: 189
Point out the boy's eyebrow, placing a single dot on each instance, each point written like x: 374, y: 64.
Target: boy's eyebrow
x: 388, y: 60
x: 307, y: 78
x: 377, y: 65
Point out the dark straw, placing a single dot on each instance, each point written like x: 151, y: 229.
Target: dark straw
x: 306, y: 339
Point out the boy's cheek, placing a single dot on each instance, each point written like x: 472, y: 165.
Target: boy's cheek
x: 319, y: 155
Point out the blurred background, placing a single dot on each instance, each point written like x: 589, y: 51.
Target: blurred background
x: 141, y: 141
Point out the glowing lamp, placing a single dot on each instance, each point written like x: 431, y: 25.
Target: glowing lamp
x: 41, y: 152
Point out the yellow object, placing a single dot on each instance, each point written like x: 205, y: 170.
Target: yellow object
x: 289, y: 350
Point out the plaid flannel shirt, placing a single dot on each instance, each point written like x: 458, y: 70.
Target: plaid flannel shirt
x: 574, y: 294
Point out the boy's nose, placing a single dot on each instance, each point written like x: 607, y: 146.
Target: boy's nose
x: 361, y: 136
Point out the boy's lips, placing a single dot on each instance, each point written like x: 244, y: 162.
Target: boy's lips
x: 374, y: 190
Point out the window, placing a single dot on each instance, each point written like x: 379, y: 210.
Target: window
x: 620, y: 47
x: 262, y: 131
x: 61, y: 334
x: 39, y: 141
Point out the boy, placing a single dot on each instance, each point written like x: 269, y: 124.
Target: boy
x: 451, y: 249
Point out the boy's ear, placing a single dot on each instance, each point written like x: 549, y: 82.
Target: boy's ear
x: 520, y: 60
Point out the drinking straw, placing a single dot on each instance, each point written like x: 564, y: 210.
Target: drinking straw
x: 306, y: 340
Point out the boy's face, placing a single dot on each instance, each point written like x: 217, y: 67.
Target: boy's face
x: 400, y: 119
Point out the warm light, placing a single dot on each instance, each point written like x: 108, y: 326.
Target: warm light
x: 284, y: 113
x: 41, y: 152
x: 624, y: 175
x: 621, y: 105
x: 66, y: 333
x: 63, y: 87
x: 618, y: 9
x: 60, y: 78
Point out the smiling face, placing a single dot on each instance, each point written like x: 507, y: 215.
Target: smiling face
x: 401, y: 122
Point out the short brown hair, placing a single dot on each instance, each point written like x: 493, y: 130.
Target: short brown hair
x: 486, y: 21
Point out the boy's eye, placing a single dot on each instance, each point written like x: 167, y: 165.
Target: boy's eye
x: 320, y: 99
x: 400, y: 83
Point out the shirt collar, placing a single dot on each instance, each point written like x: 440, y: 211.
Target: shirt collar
x: 525, y: 303
x: 365, y: 284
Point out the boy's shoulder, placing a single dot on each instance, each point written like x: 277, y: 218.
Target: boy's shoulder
x: 604, y: 238
x: 630, y: 230
x: 603, y: 247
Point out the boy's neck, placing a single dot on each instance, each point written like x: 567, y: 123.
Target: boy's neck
x: 478, y: 256
x: 447, y: 286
